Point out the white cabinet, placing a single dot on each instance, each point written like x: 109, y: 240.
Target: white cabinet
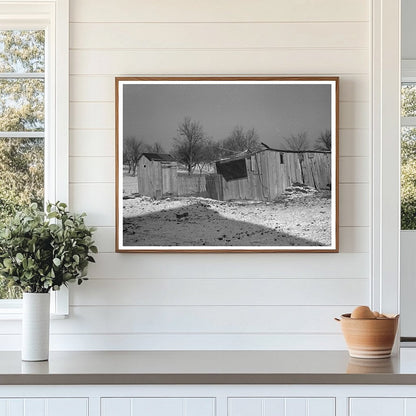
x: 269, y: 406
x: 44, y: 407
x: 382, y: 406
x: 160, y: 406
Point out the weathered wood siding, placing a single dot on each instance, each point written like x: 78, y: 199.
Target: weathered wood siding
x: 316, y: 168
x: 191, y: 185
x: 270, y: 173
x: 156, y: 179
x: 169, y: 179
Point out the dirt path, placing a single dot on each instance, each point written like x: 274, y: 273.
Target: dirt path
x: 299, y: 218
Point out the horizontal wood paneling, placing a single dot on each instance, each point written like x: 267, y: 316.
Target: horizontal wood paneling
x: 220, y: 291
x: 218, y: 36
x: 354, y: 208
x: 92, y: 169
x: 219, y: 62
x: 266, y: 265
x: 354, y: 170
x: 201, y: 319
x: 96, y: 199
x: 146, y: 342
x: 354, y: 239
x: 99, y: 88
x: 94, y: 143
x: 105, y: 239
x: 218, y: 11
x: 287, y: 297
x: 194, y: 320
x: 354, y: 142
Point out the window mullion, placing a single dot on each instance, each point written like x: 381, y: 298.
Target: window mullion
x: 22, y: 75
x: 20, y: 134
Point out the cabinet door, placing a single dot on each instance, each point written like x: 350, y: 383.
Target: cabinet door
x: 382, y: 406
x: 44, y: 407
x: 270, y: 406
x: 160, y: 406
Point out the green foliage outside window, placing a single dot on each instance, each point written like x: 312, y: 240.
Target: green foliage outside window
x: 21, y: 110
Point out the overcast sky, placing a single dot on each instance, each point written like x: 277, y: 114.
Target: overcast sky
x: 152, y: 112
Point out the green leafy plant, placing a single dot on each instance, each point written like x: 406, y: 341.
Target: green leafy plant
x: 43, y: 251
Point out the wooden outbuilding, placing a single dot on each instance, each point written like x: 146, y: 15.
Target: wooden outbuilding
x: 157, y: 175
x: 267, y: 173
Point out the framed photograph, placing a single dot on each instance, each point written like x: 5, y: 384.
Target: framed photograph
x: 227, y: 164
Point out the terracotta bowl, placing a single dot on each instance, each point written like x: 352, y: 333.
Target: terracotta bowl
x: 369, y: 338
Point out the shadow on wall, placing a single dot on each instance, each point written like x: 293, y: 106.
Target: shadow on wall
x: 200, y: 224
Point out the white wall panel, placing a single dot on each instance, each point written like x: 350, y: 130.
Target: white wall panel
x: 93, y: 143
x: 210, y: 320
x: 224, y: 300
x: 218, y: 36
x: 354, y: 142
x: 354, y: 170
x: 266, y: 265
x: 354, y: 239
x: 218, y: 11
x: 353, y: 115
x: 101, y: 87
x: 91, y: 169
x: 354, y: 205
x: 178, y: 341
x: 96, y: 199
x: 282, y: 61
x: 220, y: 291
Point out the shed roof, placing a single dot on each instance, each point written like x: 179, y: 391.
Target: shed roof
x: 158, y: 157
x: 245, y: 155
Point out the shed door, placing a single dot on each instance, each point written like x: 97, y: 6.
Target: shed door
x: 169, y: 180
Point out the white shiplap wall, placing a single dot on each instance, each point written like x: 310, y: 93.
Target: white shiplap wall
x: 218, y: 301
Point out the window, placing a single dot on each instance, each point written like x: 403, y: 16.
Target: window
x: 408, y: 155
x: 22, y: 124
x: 233, y: 169
x: 33, y: 111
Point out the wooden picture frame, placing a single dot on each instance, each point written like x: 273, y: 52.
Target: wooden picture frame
x: 227, y: 164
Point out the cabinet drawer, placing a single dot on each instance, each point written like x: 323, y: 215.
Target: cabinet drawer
x: 158, y: 406
x: 280, y: 406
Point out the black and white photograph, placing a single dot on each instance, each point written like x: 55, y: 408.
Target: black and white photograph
x: 227, y: 164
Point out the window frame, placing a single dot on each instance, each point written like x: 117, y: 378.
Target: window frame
x: 53, y: 17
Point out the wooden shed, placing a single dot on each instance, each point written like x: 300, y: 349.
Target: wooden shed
x: 157, y: 175
x: 264, y: 175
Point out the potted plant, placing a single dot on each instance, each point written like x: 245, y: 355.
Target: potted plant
x: 40, y: 252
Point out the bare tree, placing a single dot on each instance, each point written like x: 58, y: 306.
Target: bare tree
x: 297, y: 142
x: 189, y: 143
x: 155, y: 148
x: 324, y: 141
x: 241, y: 141
x: 132, y: 150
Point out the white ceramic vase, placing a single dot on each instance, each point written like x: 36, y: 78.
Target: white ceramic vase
x: 35, y: 326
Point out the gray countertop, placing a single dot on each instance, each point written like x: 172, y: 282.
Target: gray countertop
x: 208, y: 367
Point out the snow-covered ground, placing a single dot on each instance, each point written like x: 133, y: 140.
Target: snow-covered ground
x: 301, y: 217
